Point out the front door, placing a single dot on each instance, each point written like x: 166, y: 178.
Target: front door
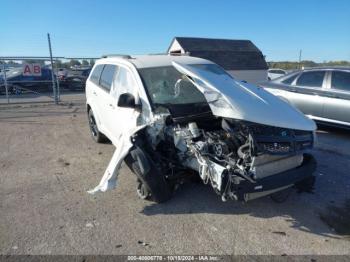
x: 122, y: 120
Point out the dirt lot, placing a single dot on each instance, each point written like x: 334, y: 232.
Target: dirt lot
x: 48, y: 162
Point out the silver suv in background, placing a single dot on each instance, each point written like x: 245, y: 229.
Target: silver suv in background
x: 323, y: 94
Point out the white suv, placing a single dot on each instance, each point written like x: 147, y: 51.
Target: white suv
x: 176, y: 117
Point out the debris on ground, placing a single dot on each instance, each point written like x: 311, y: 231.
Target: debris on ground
x: 282, y: 233
x: 142, y: 243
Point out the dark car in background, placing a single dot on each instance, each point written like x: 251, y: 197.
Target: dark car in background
x: 18, y: 83
x: 323, y: 94
x: 74, y: 79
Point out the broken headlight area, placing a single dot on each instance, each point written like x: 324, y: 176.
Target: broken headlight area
x: 237, y: 158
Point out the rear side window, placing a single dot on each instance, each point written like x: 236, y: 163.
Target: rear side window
x: 311, y: 79
x: 341, y: 80
x: 289, y: 80
x: 107, y: 76
x: 95, y: 76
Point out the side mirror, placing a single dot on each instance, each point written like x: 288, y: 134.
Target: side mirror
x: 128, y: 100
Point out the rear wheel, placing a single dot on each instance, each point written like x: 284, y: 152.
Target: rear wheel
x: 97, y: 136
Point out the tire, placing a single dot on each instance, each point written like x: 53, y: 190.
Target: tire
x: 153, y: 182
x: 97, y: 136
x: 281, y: 196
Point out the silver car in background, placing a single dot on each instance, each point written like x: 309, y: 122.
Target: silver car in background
x: 274, y: 73
x: 323, y: 94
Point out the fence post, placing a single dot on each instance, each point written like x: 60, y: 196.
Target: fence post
x: 58, y: 88
x: 5, y: 82
x: 52, y: 73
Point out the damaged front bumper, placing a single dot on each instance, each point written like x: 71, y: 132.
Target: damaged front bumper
x: 246, y: 190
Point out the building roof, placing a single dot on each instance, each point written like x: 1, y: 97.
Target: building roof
x: 191, y: 44
x: 230, y: 54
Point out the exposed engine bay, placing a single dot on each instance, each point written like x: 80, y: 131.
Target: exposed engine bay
x: 227, y: 152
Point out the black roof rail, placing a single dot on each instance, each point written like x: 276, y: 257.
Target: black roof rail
x: 117, y: 55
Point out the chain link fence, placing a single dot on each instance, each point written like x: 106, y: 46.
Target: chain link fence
x: 41, y: 79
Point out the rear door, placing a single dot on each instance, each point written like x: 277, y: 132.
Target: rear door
x: 106, y: 108
x: 337, y: 97
x: 92, y: 91
x: 307, y: 92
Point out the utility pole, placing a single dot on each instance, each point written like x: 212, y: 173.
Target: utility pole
x: 52, y: 73
x: 300, y: 51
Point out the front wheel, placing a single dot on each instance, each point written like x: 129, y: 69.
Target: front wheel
x: 97, y: 136
x: 152, y: 184
x: 143, y: 191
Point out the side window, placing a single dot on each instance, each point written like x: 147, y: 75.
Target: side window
x: 123, y: 83
x: 311, y: 79
x: 341, y: 80
x: 95, y: 76
x: 289, y: 80
x: 107, y: 77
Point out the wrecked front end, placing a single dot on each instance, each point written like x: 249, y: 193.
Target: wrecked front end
x: 238, y: 138
x: 239, y: 159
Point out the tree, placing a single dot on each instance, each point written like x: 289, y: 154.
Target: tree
x: 58, y: 63
x: 288, y: 65
x: 92, y: 62
x: 74, y: 62
x: 85, y: 62
x: 33, y: 61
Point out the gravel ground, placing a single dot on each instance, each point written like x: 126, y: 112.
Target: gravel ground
x: 48, y: 161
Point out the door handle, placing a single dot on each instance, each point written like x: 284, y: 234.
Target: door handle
x: 94, y: 93
x: 111, y: 105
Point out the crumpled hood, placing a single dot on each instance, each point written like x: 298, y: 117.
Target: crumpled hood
x: 233, y: 99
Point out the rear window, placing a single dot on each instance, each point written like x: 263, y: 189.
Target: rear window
x: 96, y: 73
x: 276, y: 71
x: 341, y: 80
x: 107, y: 76
x: 311, y: 79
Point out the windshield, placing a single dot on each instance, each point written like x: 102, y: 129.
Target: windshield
x: 166, y: 85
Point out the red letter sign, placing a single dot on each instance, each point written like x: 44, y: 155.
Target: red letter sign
x: 26, y: 70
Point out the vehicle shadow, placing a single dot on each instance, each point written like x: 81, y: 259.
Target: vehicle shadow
x: 200, y: 199
x: 322, y: 213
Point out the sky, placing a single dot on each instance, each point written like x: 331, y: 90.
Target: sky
x: 91, y: 28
